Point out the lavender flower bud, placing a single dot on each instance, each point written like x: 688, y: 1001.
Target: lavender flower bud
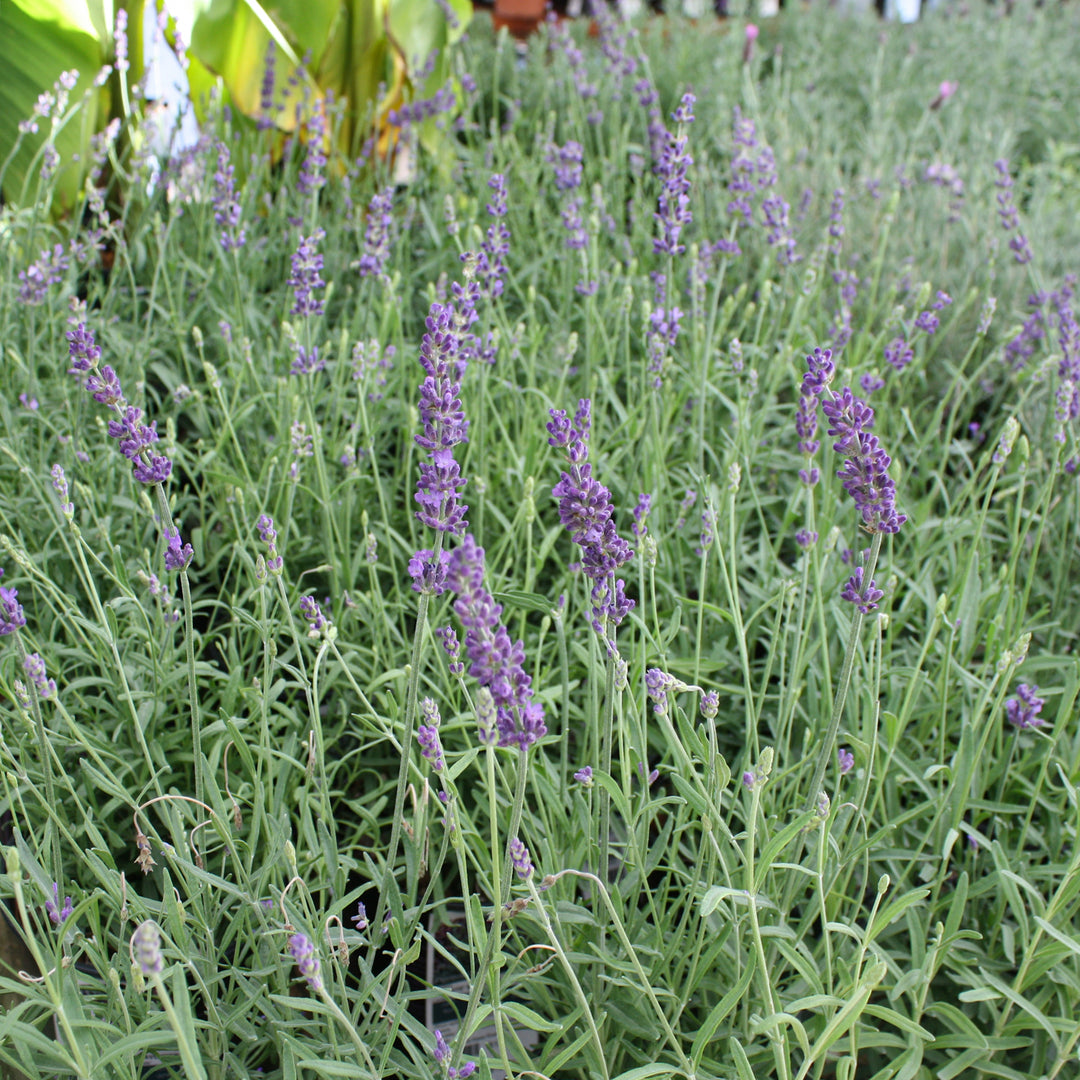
x: 57, y: 914
x: 35, y: 670
x: 519, y: 856
x: 1023, y: 710
x: 303, y: 952
x: 146, y: 945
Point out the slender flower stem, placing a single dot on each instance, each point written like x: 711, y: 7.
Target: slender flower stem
x: 501, y: 890
x: 411, y: 694
x: 825, y: 751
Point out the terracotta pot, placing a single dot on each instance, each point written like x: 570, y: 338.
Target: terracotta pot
x: 520, y: 17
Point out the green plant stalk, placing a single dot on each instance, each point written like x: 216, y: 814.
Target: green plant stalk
x: 620, y: 932
x: 541, y: 913
x: 46, y: 765
x: 763, y: 967
x: 71, y: 1040
x: 411, y: 694
x: 827, y: 744
x: 606, y: 731
x: 193, y: 1064
x: 501, y: 890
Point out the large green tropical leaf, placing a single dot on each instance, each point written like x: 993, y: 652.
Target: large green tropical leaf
x: 41, y: 39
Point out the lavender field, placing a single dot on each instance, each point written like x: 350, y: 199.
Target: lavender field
x: 583, y: 585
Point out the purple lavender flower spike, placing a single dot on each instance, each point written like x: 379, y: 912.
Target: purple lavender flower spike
x: 641, y: 515
x: 865, y: 473
x: 491, y: 269
x: 11, y: 612
x: 452, y: 647
x: 836, y: 221
x: 519, y: 856
x: 674, y: 207
x: 227, y: 210
x: 710, y: 704
x: 585, y: 510
x: 898, y: 353
x: 865, y: 598
x: 303, y: 952
x: 428, y: 573
x: 567, y: 161
x: 83, y: 352
x: 35, y: 670
x: 845, y: 759
x: 48, y: 269
x: 1023, y: 710
x: 57, y: 914
x: 177, y: 555
x: 378, y: 236
x: 495, y: 662
x: 306, y: 276
x: 584, y: 775
x: 927, y: 321
x: 427, y: 735
x: 443, y: 419
x: 312, y: 612
x: 442, y: 1056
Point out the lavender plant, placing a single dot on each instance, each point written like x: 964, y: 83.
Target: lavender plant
x: 726, y: 732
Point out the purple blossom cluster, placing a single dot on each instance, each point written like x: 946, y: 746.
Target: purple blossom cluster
x: 1020, y: 350
x: 428, y: 571
x: 442, y: 1057
x: 378, y: 235
x: 674, y: 205
x: 945, y: 176
x: 641, y: 516
x: 559, y: 39
x: 268, y: 110
x: 494, y: 661
x: 519, y: 858
x: 427, y: 735
x: 864, y: 597
x: 585, y: 510
x: 780, y: 235
x: 452, y: 647
x: 306, y: 276
x: 898, y: 353
x: 312, y: 172
x: 1023, y: 710
x: 302, y: 951
x: 444, y: 100
x: 227, y: 212
x: 311, y: 610
x: 135, y: 438
x: 58, y: 914
x: 836, y: 221
x: 576, y: 237
x: 442, y: 416
x: 1068, y: 393
x: 662, y: 333
x: 48, y: 269
x: 275, y: 563
x: 928, y: 321
x: 490, y: 267
x: 864, y: 474
x: 820, y: 369
x: 36, y: 672
x: 750, y: 173
x: 1008, y: 214
x: 615, y: 38
x: 567, y: 162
